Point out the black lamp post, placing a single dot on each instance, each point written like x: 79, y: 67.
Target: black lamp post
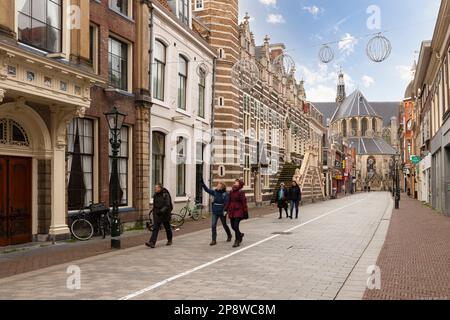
x: 115, y: 121
x: 396, y: 181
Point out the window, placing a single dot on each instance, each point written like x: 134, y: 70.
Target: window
x: 183, y: 11
x: 120, y: 6
x: 344, y: 128
x: 181, y: 166
x: 374, y: 126
x: 221, y: 101
x: 354, y: 123
x: 12, y: 133
x: 247, y: 172
x: 122, y: 169
x: 221, y: 53
x: 199, y: 5
x: 40, y: 24
x: 182, y: 82
x: 364, y: 126
x: 118, y: 64
x: 159, y: 70
x: 158, y: 157
x: 80, y: 163
x: 202, y: 94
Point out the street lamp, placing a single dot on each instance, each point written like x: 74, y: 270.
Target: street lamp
x: 115, y: 122
x: 396, y: 181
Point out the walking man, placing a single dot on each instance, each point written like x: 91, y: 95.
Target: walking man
x: 220, y: 196
x: 162, y: 212
x: 237, y: 210
x: 295, y: 196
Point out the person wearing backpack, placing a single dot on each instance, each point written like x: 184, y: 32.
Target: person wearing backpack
x: 162, y: 213
x: 237, y: 210
x: 220, y: 199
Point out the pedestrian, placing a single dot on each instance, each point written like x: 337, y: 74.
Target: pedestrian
x: 220, y: 197
x: 237, y: 210
x: 162, y: 212
x: 295, y: 196
x: 282, y: 200
x: 369, y: 185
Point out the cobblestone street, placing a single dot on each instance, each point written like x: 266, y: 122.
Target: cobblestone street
x: 319, y: 256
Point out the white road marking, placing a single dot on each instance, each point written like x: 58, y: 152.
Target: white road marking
x: 203, y: 266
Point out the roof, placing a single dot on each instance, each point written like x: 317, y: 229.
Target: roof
x: 386, y: 110
x: 372, y: 146
x: 355, y: 105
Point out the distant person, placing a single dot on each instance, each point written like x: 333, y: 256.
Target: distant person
x: 295, y: 196
x: 221, y: 197
x: 282, y: 200
x: 237, y: 210
x: 162, y: 213
x: 369, y: 185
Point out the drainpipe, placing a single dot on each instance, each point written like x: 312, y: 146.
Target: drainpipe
x: 211, y: 165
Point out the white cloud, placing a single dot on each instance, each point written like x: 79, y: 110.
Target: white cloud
x: 347, y: 44
x: 313, y: 10
x: 275, y: 19
x: 404, y: 72
x: 267, y: 3
x: 337, y: 26
x: 321, y: 93
x: 368, y: 81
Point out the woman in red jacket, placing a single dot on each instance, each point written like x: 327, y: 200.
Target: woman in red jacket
x: 237, y: 210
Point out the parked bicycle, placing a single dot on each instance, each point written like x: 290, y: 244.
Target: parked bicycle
x: 96, y: 219
x: 176, y: 221
x: 195, y: 212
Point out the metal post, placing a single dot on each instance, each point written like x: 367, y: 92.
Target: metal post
x: 397, y: 189
x: 115, y: 188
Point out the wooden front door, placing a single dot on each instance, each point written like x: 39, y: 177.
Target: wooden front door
x: 15, y: 200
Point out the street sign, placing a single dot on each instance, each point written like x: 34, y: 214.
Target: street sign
x: 415, y: 159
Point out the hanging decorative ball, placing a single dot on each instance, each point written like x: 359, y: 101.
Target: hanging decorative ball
x: 326, y: 54
x: 202, y: 70
x: 245, y: 74
x: 379, y: 48
x: 284, y: 64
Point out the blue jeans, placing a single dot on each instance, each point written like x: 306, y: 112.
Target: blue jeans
x: 294, y: 204
x: 215, y: 219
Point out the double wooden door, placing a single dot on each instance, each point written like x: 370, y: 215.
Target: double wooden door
x: 15, y: 200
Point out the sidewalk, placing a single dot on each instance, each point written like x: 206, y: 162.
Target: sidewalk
x: 36, y: 256
x: 415, y: 259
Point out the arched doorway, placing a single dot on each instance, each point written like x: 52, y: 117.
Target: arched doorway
x: 158, y: 157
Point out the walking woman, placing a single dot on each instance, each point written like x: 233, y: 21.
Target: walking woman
x: 220, y: 196
x: 237, y: 209
x: 295, y: 196
x: 282, y: 200
x: 162, y: 212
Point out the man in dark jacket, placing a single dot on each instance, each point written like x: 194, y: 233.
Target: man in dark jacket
x: 162, y: 214
x: 295, y: 196
x: 220, y: 196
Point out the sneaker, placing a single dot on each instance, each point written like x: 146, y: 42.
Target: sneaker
x: 169, y: 243
x: 236, y: 244
x: 213, y: 243
x: 150, y: 245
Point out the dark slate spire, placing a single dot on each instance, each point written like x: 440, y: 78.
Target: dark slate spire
x: 341, y: 95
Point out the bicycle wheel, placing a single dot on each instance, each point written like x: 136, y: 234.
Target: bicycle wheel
x: 184, y: 212
x: 82, y: 229
x: 176, y: 221
x: 197, y: 213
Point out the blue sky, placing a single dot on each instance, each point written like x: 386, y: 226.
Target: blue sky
x: 304, y: 25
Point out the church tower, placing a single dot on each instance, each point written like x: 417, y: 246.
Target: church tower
x: 221, y: 18
x: 341, y: 95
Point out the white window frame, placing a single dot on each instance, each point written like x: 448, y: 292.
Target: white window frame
x: 129, y: 13
x: 201, y: 7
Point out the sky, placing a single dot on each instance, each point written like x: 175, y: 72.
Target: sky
x: 305, y: 25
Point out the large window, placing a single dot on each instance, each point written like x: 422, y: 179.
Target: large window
x: 122, y: 166
x: 182, y: 82
x: 354, y: 123
x: 364, y: 127
x: 159, y: 66
x: 120, y: 6
x: 202, y: 94
x: 80, y: 160
x: 40, y: 24
x: 158, y: 157
x: 181, y: 166
x: 183, y: 11
x: 118, y: 64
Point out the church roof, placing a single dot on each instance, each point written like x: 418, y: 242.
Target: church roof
x: 355, y: 105
x: 372, y: 146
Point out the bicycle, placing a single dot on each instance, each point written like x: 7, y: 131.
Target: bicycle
x: 97, y: 220
x: 176, y: 221
x: 195, y: 213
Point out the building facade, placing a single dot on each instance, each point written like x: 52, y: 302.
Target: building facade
x: 182, y: 91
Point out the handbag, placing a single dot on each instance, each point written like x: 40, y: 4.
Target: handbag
x: 246, y: 215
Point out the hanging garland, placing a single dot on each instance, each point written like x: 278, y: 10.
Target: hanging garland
x: 284, y: 64
x: 245, y: 74
x: 379, y: 48
x: 326, y: 54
